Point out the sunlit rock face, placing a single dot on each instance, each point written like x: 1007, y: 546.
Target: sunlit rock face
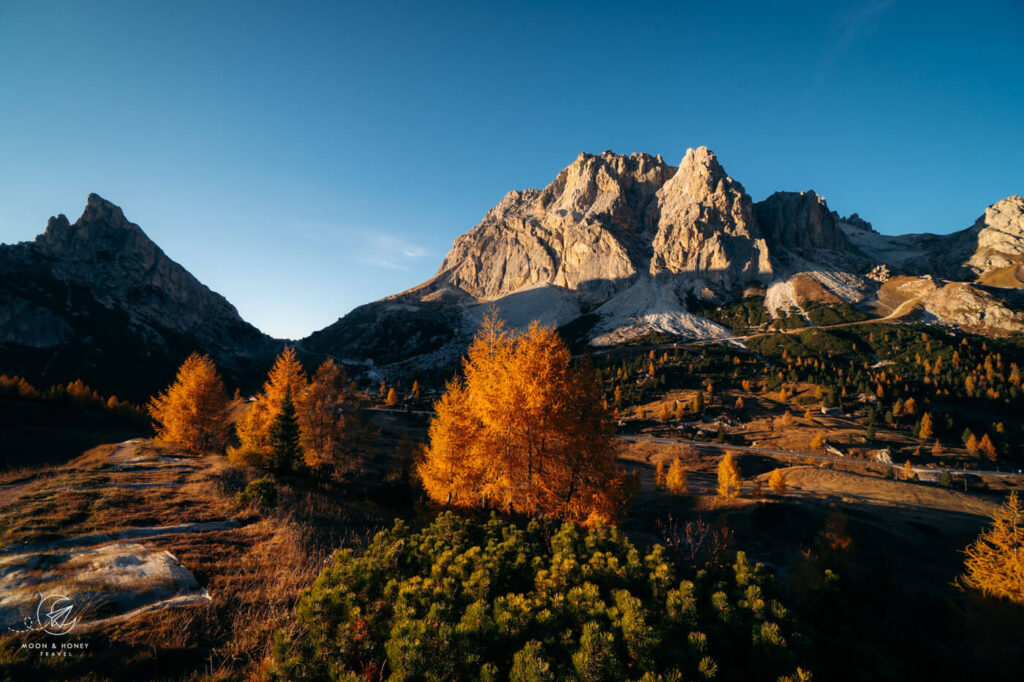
x: 1000, y: 236
x: 706, y: 227
x: 585, y: 232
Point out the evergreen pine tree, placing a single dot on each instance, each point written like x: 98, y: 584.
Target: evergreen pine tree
x: 285, y: 451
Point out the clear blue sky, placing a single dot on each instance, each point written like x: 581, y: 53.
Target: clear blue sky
x: 304, y: 158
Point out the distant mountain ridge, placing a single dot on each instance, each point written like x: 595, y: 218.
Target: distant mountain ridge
x: 615, y: 247
x: 625, y: 241
x: 98, y: 300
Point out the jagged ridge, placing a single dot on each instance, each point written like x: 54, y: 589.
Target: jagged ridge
x: 98, y: 300
x: 627, y: 240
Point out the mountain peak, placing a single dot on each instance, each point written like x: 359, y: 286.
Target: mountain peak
x: 800, y: 220
x: 706, y: 226
x: 701, y: 160
x: 101, y: 229
x: 100, y: 211
x: 102, y: 287
x: 998, y: 236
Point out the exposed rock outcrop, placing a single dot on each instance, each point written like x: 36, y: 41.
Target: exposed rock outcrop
x: 707, y: 228
x: 1000, y: 236
x: 800, y: 221
x: 583, y: 232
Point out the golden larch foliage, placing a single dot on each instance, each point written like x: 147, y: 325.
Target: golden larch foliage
x: 818, y: 442
x: 908, y: 472
x: 776, y: 483
x: 987, y: 447
x: 729, y: 481
x: 676, y: 481
x: 665, y: 415
x: 285, y: 378
x: 392, y: 398
x: 910, y: 407
x: 192, y: 412
x: 659, y: 474
x: 680, y: 411
x: 995, y: 561
x: 936, y: 448
x: 523, y: 431
x: 926, y: 430
x: 972, y: 444
x: 332, y: 434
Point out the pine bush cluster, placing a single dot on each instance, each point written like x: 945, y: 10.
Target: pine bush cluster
x: 463, y: 599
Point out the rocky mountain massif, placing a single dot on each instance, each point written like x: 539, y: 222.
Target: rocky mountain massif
x: 98, y: 300
x: 616, y: 247
x: 620, y: 246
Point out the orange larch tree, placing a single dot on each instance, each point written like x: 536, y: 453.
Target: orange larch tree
x: 192, y: 412
x: 729, y: 481
x: 333, y: 435
x: 523, y: 431
x: 995, y: 561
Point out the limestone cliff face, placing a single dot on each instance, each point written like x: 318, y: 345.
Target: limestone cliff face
x: 606, y: 220
x: 800, y: 220
x: 999, y: 235
x: 707, y: 228
x: 98, y: 300
x: 584, y: 231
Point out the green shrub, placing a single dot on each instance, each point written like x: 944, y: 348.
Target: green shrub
x: 491, y: 600
x: 261, y: 493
